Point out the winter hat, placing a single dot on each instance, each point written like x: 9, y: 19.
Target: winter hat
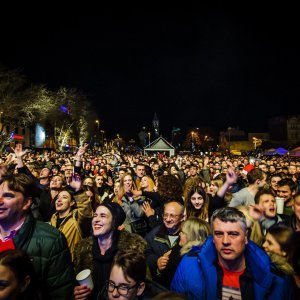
x: 247, y: 169
x: 117, y: 212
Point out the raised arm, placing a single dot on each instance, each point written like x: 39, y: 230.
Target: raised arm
x: 19, y: 152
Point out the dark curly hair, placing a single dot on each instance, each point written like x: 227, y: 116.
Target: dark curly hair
x: 169, y: 187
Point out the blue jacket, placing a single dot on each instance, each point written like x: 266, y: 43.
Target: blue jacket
x: 197, y: 275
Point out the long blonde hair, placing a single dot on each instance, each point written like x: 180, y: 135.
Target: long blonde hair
x: 122, y: 189
x: 196, y: 231
x: 256, y: 234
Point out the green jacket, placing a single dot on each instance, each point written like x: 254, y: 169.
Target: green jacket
x: 48, y: 250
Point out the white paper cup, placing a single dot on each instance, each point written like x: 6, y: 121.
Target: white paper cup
x: 85, y: 277
x: 279, y: 204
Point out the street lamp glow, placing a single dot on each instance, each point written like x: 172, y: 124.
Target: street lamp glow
x: 97, y: 121
x: 229, y: 135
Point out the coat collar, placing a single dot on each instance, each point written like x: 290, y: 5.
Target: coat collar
x: 258, y: 263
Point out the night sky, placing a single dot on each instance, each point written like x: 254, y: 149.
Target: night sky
x: 199, y: 68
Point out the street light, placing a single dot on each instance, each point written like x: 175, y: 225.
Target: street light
x: 97, y: 121
x: 149, y: 134
x: 229, y: 134
x: 192, y: 140
x: 102, y: 137
x: 1, y: 112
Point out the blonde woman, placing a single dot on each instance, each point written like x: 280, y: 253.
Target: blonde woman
x: 132, y: 207
x: 193, y: 232
x: 214, y: 186
x: 254, y: 229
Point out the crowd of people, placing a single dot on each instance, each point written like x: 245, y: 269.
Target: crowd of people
x: 148, y: 227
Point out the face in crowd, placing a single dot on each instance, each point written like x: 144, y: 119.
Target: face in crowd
x: 56, y: 182
x: 285, y: 192
x: 197, y: 201
x: 99, y: 180
x: 68, y: 171
x: 116, y: 188
x: 274, y: 182
x: 230, y: 239
x: 140, y: 171
x: 173, y: 216
x: 88, y: 181
x: 123, y: 287
x: 64, y: 203
x: 13, y: 204
x: 102, y: 222
x: 267, y: 203
x: 145, y: 182
x: 193, y: 171
x: 9, y: 284
x: 128, y: 183
x: 271, y: 245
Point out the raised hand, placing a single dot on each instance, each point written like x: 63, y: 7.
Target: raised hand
x: 75, y: 182
x: 256, y: 212
x: 147, y: 209
x: 19, y: 151
x: 231, y: 176
x: 81, y: 150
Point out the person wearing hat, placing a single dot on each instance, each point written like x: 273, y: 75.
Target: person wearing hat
x: 97, y: 252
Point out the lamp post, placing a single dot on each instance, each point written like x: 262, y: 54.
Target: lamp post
x: 102, y: 137
x: 149, y: 134
x: 192, y: 140
x: 1, y: 112
x: 97, y: 133
x: 229, y: 135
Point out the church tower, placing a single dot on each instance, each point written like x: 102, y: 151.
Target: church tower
x: 155, y: 124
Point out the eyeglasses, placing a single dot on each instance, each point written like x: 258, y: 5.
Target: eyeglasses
x: 122, y: 289
x: 171, y: 216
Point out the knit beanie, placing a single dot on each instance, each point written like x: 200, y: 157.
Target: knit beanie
x: 117, y: 212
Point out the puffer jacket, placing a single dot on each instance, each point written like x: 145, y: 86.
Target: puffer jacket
x: 198, y: 276
x: 50, y: 255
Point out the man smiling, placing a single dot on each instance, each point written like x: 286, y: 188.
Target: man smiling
x: 163, y: 238
x: 228, y: 266
x: 45, y: 245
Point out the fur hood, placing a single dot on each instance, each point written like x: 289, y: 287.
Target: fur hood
x: 83, y: 254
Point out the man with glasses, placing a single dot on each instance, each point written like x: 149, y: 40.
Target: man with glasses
x: 229, y: 266
x: 161, y: 239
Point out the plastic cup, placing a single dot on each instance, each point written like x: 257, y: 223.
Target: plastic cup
x: 85, y: 277
x: 279, y: 204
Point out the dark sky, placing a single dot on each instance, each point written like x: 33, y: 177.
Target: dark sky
x: 198, y: 68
